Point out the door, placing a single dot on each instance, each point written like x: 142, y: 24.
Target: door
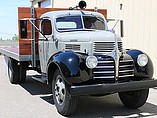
x: 44, y: 39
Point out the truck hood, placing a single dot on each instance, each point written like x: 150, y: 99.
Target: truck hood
x: 86, y: 36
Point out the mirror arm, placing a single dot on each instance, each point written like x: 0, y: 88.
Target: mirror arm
x: 115, y: 24
x: 121, y: 26
x: 38, y: 29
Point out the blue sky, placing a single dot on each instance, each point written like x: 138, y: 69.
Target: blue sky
x: 8, y: 17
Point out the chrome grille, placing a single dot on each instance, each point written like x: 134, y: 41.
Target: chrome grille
x: 126, y: 68
x: 120, y: 46
x: 106, y: 46
x: 105, y: 70
x: 72, y: 47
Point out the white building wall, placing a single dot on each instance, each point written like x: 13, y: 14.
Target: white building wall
x: 140, y: 20
x: 73, y: 3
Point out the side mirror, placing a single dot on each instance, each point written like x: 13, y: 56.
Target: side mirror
x: 46, y: 27
x: 23, y: 29
x: 122, y: 28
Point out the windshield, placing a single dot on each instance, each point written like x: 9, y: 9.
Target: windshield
x: 70, y: 23
x: 93, y: 23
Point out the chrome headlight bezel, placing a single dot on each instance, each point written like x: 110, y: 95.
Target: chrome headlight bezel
x: 142, y: 60
x: 91, y: 62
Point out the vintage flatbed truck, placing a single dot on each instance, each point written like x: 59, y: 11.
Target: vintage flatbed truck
x: 75, y: 52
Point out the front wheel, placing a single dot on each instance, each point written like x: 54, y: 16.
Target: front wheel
x: 64, y: 101
x: 134, y: 99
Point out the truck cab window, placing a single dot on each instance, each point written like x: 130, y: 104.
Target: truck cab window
x: 46, y: 27
x: 93, y: 23
x: 69, y: 23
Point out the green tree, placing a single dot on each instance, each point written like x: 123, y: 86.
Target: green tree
x: 15, y: 37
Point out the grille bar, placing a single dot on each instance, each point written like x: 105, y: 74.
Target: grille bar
x: 126, y: 76
x: 123, y: 66
x: 104, y: 72
x: 105, y: 61
x: 126, y: 61
x: 105, y: 67
x: 126, y: 71
x: 104, y: 77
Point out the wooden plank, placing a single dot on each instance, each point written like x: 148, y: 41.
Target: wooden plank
x: 25, y: 47
x: 24, y: 12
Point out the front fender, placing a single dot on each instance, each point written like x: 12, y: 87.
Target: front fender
x: 146, y: 71
x: 71, y: 65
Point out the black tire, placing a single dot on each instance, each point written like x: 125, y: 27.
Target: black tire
x: 65, y: 105
x: 134, y: 99
x: 16, y: 71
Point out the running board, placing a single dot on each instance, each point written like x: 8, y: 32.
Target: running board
x: 40, y: 78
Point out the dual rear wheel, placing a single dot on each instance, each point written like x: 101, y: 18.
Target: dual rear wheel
x: 16, y: 71
x: 64, y: 101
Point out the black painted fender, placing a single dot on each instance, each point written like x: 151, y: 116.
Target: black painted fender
x: 141, y: 72
x: 71, y: 65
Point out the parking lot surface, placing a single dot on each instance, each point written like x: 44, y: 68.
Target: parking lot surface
x: 34, y: 100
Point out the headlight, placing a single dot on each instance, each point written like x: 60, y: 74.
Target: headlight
x: 91, y: 62
x: 142, y: 60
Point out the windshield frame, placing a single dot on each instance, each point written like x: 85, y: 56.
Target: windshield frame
x: 82, y: 21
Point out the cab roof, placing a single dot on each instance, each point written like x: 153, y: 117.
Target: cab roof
x: 53, y: 14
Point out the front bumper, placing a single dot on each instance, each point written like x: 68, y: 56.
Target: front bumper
x: 112, y: 88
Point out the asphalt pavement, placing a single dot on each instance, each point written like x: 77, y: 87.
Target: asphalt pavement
x: 34, y: 100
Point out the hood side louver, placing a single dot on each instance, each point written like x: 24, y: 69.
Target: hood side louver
x: 72, y: 47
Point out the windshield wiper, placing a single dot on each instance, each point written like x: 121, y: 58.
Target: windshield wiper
x: 100, y: 19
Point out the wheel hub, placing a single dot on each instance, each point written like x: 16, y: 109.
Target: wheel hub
x: 60, y: 90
